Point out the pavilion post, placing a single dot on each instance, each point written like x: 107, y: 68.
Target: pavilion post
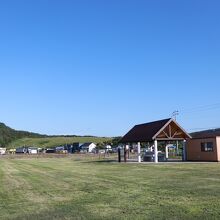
x: 139, y: 152
x: 155, y: 152
x: 119, y: 155
x: 177, y: 147
x: 184, y: 150
x: 125, y: 153
x: 167, y: 152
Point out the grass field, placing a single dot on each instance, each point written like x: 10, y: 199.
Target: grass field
x: 55, y: 141
x: 74, y: 187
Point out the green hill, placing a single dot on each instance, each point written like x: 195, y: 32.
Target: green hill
x: 11, y: 138
x: 46, y: 142
x: 8, y: 135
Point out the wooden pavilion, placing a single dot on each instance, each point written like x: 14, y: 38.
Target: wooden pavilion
x: 163, y: 130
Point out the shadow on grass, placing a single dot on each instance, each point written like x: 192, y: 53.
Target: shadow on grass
x: 100, y: 161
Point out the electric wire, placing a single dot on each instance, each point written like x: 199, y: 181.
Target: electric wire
x: 194, y: 112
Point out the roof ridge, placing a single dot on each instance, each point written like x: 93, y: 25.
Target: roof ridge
x: 167, y: 119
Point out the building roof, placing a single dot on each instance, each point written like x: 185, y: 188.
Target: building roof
x: 206, y: 134
x: 144, y: 132
x: 86, y: 144
x: 167, y: 129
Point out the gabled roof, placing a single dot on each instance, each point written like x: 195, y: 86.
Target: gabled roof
x: 154, y: 130
x: 144, y: 132
x: 86, y: 144
x: 206, y: 134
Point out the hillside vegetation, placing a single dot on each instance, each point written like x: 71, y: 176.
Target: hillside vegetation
x: 8, y: 135
x: 11, y: 138
x: 56, y: 141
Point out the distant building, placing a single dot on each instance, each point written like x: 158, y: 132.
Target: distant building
x: 88, y: 147
x: 76, y: 147
x: 2, y: 151
x: 33, y: 150
x: 204, y: 146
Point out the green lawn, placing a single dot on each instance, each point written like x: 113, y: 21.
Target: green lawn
x: 79, y: 188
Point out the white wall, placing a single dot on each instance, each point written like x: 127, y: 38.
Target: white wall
x: 91, y: 147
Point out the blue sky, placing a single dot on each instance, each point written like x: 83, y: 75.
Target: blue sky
x: 99, y: 67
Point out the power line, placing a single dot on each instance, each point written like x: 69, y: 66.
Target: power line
x: 201, y: 108
x: 203, y: 129
x: 193, y: 111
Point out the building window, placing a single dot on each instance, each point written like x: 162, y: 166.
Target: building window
x: 207, y: 147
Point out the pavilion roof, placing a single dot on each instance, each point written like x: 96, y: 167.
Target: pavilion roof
x: 150, y: 131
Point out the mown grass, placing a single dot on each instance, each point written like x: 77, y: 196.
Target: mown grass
x: 77, y: 188
x: 54, y: 141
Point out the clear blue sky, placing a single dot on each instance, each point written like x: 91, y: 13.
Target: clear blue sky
x: 99, y: 67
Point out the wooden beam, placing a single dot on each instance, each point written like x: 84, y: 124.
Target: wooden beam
x: 170, y: 131
x: 166, y: 125
x: 166, y: 134
x: 174, y: 134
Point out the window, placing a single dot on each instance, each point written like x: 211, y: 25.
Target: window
x: 207, y: 147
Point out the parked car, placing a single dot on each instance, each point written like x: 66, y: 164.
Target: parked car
x: 49, y: 151
x: 12, y: 151
x: 102, y: 151
x: 115, y: 150
x: 33, y: 150
x: 61, y: 150
x: 21, y: 150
